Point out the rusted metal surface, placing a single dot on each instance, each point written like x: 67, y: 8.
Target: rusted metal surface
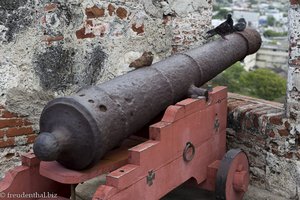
x: 78, y: 130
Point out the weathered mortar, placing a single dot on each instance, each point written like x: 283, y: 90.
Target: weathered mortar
x: 15, y: 15
x: 261, y: 130
x: 53, y: 48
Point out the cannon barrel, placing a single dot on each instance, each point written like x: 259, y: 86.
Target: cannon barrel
x: 78, y: 130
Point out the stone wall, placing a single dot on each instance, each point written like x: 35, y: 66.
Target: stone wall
x: 51, y: 48
x: 261, y: 129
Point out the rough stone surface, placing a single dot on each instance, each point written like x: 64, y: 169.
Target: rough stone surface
x: 15, y: 16
x: 283, y: 172
x: 261, y: 129
x: 51, y: 48
x: 11, y: 157
x: 293, y: 88
x: 43, y: 50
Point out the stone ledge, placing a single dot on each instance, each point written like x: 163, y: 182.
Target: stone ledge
x: 261, y: 129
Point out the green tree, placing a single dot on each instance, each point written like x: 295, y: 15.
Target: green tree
x: 222, y: 14
x: 230, y: 77
x: 260, y: 83
x: 216, y: 7
x: 271, y: 20
x: 263, y: 83
x: 270, y: 33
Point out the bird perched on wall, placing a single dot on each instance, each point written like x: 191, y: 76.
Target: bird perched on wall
x: 145, y: 60
x: 240, y: 25
x: 223, y: 29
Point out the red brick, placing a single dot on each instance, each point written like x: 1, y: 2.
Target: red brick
x: 243, y: 114
x: 248, y: 124
x: 2, y: 132
x: 8, y: 143
x: 287, y: 125
x: 18, y: 131
x: 295, y: 62
x: 293, y: 2
x: 27, y: 123
x: 31, y: 138
x: 94, y: 12
x: 271, y: 134
x: 6, y: 114
x: 121, y: 12
x: 258, y: 140
x: 277, y: 120
x: 256, y: 121
x: 89, y: 22
x: 80, y: 34
x: 283, y: 132
x: 50, y: 7
x: 242, y: 136
x: 289, y: 155
x: 139, y: 29
x: 111, y: 9
x: 5, y: 123
x: 50, y: 39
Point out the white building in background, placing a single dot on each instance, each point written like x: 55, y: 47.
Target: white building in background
x: 249, y: 62
x: 274, y: 57
x: 252, y: 18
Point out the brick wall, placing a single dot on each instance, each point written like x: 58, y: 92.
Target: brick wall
x: 14, y: 129
x: 260, y: 128
x: 53, y: 48
x: 16, y: 137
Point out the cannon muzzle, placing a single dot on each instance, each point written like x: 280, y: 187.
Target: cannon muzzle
x: 78, y: 130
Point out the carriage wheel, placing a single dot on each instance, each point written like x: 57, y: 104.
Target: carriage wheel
x: 233, y: 176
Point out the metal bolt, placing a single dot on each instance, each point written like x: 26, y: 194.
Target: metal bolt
x: 209, y: 88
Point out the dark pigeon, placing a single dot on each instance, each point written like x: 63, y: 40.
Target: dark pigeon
x: 240, y: 25
x: 223, y: 29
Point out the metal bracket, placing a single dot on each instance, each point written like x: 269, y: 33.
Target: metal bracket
x: 217, y: 124
x: 150, y: 177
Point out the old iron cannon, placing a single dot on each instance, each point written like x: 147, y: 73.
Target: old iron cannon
x: 78, y: 130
